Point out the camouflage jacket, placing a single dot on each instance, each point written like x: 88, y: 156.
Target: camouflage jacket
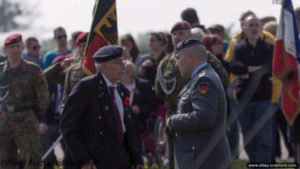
x: 23, y: 88
x: 216, y: 64
x: 168, y: 77
x: 73, y: 75
x: 55, y: 74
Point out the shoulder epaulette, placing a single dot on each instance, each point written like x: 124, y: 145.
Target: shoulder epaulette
x: 202, y: 73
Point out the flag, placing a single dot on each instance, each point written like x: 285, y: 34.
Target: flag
x: 286, y: 61
x: 103, y: 31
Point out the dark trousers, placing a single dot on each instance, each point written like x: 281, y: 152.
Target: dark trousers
x: 281, y: 125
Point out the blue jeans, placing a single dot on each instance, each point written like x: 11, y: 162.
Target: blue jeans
x: 259, y: 148
x: 233, y: 129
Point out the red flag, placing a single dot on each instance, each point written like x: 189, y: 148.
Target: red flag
x: 103, y: 32
x: 285, y: 61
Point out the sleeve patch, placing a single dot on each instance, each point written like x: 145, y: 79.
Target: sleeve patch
x: 203, y: 89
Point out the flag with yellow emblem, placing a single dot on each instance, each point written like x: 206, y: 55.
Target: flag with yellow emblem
x: 104, y: 31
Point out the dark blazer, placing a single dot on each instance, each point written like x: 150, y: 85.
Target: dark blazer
x: 89, y: 130
x: 199, y: 126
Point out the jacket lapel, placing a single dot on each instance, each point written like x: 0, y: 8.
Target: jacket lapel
x: 106, y: 104
x: 186, y: 87
x: 124, y: 94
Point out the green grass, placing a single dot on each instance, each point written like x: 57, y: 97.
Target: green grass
x: 239, y: 164
x: 58, y: 167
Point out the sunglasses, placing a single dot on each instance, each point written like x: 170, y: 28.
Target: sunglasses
x: 35, y: 47
x: 61, y: 36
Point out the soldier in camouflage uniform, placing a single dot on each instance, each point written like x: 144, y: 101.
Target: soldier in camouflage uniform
x: 76, y: 71
x: 73, y: 75
x: 169, y: 83
x: 23, y: 98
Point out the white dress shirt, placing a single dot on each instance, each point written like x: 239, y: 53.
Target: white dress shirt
x: 118, y: 101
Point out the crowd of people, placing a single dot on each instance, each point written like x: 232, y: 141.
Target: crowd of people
x: 183, y: 104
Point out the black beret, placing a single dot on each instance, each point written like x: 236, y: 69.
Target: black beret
x: 186, y: 43
x: 12, y: 39
x: 107, y: 53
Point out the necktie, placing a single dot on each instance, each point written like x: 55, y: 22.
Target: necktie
x: 116, y: 114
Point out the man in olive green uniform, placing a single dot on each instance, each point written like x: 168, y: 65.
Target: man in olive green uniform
x: 23, y: 98
x: 169, y: 83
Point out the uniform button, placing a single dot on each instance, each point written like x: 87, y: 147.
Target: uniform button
x: 99, y: 117
x: 106, y: 108
x: 101, y: 148
x: 193, y: 147
x: 101, y: 132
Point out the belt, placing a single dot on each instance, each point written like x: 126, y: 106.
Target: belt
x: 12, y: 109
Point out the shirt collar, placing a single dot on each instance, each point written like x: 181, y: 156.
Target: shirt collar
x: 108, y: 82
x: 198, y: 68
x: 7, y: 67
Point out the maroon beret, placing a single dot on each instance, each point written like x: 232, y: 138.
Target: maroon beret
x: 182, y: 25
x: 82, y: 38
x: 13, y: 38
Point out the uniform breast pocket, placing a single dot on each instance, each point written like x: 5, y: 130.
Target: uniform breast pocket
x: 184, y: 103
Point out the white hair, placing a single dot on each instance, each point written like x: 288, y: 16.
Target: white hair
x: 97, y: 66
x: 197, y: 33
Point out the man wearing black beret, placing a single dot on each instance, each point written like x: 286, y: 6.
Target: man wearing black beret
x: 96, y: 124
x: 199, y: 126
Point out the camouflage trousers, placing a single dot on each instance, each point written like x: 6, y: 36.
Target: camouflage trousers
x: 19, y: 142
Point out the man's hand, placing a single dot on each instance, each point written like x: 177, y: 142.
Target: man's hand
x: 147, y: 63
x: 43, y: 128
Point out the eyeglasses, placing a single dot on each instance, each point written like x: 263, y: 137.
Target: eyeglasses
x: 119, y: 62
x: 61, y: 36
x: 35, y: 47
